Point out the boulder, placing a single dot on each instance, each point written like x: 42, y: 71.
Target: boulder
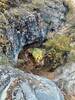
x: 66, y: 78
x: 17, y: 85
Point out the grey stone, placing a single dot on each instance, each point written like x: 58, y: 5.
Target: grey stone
x: 66, y: 78
x: 54, y: 14
x: 23, y: 28
x: 17, y: 85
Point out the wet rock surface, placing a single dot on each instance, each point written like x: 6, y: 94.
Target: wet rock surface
x: 17, y: 85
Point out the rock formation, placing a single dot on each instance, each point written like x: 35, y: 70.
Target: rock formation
x: 26, y: 23
x: 66, y: 79
x: 23, y: 23
x: 17, y: 85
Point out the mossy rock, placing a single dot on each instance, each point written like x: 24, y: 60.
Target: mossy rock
x: 4, y: 60
x: 59, y: 43
x: 37, y: 53
x: 54, y: 53
x: 3, y: 5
